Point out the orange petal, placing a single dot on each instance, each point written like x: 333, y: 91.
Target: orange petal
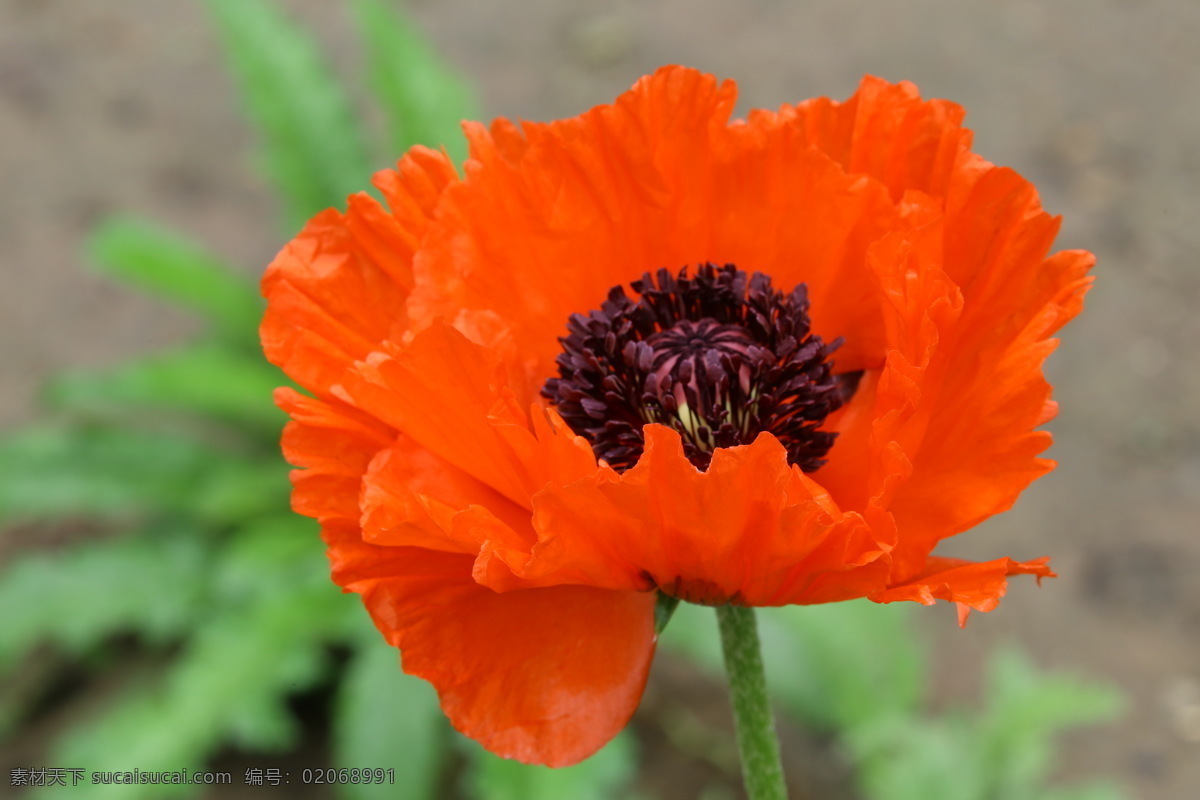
x: 541, y: 230
x: 886, y: 131
x: 961, y: 392
x: 451, y: 397
x: 664, y: 523
x: 334, y: 444
x: 410, y: 498
x: 550, y: 217
x: 884, y: 423
x: 788, y: 211
x: 971, y: 585
x: 983, y: 392
x: 414, y: 189
x: 545, y: 676
x: 970, y: 299
x: 339, y: 289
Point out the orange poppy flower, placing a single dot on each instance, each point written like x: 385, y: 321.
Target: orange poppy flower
x: 653, y: 350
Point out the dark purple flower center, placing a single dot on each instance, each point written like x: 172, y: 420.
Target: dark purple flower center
x: 719, y: 356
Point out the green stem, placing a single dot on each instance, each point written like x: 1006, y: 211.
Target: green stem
x: 758, y: 746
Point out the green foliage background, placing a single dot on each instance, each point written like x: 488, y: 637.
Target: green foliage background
x: 175, y: 457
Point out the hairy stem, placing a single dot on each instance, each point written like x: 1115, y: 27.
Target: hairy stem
x: 758, y: 746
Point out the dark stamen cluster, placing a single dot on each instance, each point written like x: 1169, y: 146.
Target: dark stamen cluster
x: 719, y: 357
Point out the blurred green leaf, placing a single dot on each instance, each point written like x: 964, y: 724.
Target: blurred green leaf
x: 1089, y: 791
x: 97, y: 472
x: 270, y: 556
x: 423, y: 98
x: 311, y: 147
x: 833, y: 665
x: 60, y: 471
x: 152, y: 583
x: 918, y: 759
x: 228, y: 686
x: 693, y: 632
x: 603, y: 776
x: 855, y: 669
x: 1025, y: 711
x: 169, y: 266
x: 234, y: 489
x: 387, y: 719
x: 205, y: 380
x: 839, y: 665
x: 1003, y: 753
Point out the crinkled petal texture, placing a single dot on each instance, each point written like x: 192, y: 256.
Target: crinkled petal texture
x: 513, y: 570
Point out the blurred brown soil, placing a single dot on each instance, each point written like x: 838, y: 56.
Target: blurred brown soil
x: 123, y: 106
